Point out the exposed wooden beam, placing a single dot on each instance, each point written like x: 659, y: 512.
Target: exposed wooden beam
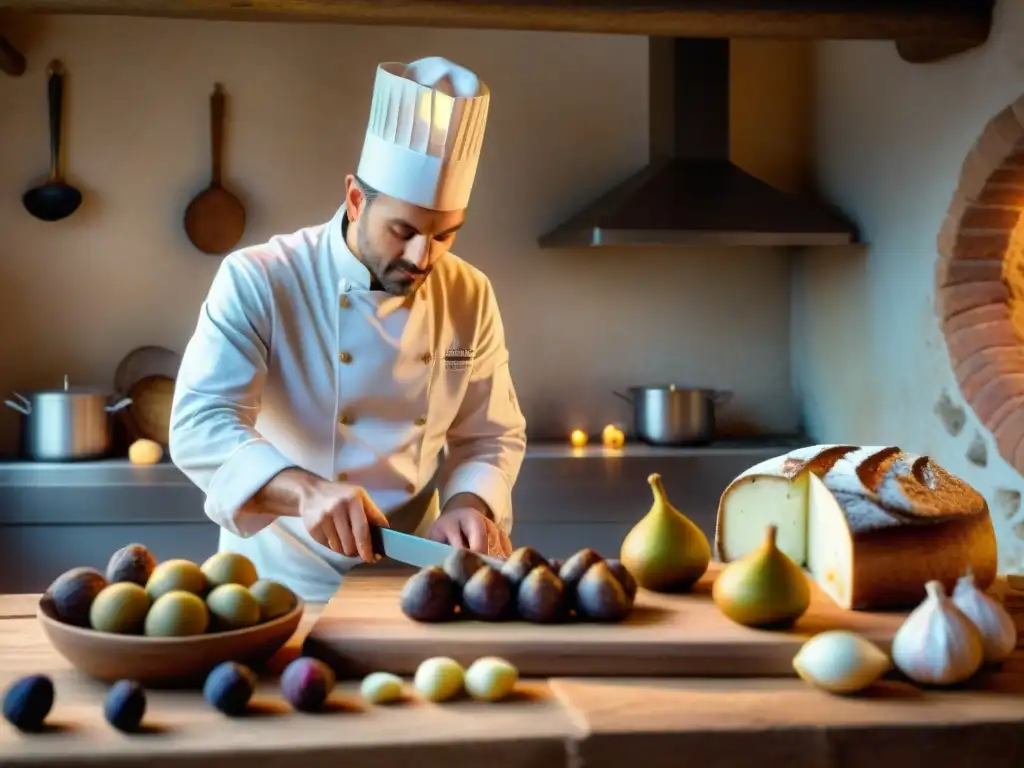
x: 963, y: 21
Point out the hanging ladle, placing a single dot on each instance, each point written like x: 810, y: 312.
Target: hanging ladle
x: 54, y: 199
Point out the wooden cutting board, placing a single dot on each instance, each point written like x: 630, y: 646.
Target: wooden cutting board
x: 362, y: 629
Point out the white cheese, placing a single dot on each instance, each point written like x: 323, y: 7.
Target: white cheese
x: 871, y: 525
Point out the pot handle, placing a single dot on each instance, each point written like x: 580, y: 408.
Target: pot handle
x: 24, y: 407
x: 721, y: 396
x: 120, y: 405
x: 627, y: 398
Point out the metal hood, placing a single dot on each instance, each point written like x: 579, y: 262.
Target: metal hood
x: 690, y: 193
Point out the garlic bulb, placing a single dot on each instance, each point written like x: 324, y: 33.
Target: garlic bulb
x: 937, y: 644
x: 840, y: 661
x: 998, y: 632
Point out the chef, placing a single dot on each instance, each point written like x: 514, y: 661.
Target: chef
x: 355, y: 373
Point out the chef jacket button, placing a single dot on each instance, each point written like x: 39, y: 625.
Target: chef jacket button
x: 342, y: 477
x: 345, y: 357
x: 345, y: 303
x: 426, y: 357
x: 346, y: 418
x: 420, y: 421
x: 410, y: 488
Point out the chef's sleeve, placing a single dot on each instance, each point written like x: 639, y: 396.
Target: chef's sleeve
x: 487, y: 438
x: 213, y: 437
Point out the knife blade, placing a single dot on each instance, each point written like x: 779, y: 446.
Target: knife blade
x: 413, y: 550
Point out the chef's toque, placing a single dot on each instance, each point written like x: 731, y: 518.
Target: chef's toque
x: 425, y: 132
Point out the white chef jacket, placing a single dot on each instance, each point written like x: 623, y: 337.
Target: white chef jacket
x: 296, y: 362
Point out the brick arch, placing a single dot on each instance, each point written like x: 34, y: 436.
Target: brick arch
x: 980, y: 281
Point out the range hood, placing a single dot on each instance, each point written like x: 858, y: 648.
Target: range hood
x: 690, y: 193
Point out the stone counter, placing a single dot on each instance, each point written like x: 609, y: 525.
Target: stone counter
x: 54, y: 516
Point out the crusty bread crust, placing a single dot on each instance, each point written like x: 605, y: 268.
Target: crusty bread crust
x: 909, y: 519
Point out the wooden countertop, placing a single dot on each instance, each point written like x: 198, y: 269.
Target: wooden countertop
x: 583, y: 723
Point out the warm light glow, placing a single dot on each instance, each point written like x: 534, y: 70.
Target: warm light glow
x: 578, y: 438
x: 613, y: 437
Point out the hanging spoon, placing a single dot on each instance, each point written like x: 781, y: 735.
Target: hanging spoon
x: 54, y: 199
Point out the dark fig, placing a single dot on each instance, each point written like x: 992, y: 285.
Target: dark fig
x: 125, y: 705
x: 555, y: 564
x: 306, y: 683
x: 542, y: 598
x: 228, y: 688
x: 28, y: 701
x: 600, y: 596
x: 132, y: 563
x: 572, y: 570
x: 461, y: 564
x: 429, y: 596
x: 520, y: 563
x: 73, y: 592
x: 487, y: 595
x: 624, y: 576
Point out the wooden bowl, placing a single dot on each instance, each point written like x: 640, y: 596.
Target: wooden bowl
x: 164, y: 662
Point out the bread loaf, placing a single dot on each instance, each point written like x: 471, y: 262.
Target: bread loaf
x: 871, y: 524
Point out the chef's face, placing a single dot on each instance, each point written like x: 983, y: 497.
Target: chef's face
x: 399, y: 242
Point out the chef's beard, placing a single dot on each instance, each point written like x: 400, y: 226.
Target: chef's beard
x: 389, y: 274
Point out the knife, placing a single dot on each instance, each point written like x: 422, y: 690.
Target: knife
x: 413, y: 550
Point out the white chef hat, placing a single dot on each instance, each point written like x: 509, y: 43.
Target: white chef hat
x: 425, y: 132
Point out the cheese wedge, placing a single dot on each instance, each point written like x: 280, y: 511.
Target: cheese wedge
x: 870, y: 524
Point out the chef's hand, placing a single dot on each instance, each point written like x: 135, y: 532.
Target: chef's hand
x: 468, y: 528
x: 339, y: 516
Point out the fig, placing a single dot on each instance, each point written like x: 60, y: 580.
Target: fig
x: 491, y: 678
x: 274, y: 598
x: 306, y: 683
x: 520, y: 563
x: 541, y: 598
x: 232, y: 606
x: 177, y: 614
x: 133, y: 563
x: 228, y: 688
x: 572, y: 570
x: 429, y: 596
x: 125, y: 705
x: 121, y: 608
x: 600, y: 596
x: 72, y: 594
x: 178, y: 574
x: 229, y: 568
x: 439, y: 679
x: 28, y: 701
x: 624, y: 576
x: 461, y: 564
x: 488, y: 595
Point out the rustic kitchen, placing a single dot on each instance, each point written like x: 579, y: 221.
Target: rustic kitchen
x: 758, y: 270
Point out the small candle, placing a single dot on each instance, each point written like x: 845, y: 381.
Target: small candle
x: 578, y: 438
x: 613, y: 437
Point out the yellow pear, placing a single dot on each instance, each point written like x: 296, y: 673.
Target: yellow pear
x: 764, y: 588
x: 665, y: 551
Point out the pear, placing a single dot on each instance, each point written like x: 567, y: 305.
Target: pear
x: 764, y: 588
x: 665, y: 551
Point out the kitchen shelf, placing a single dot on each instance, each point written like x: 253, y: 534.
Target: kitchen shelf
x: 964, y: 23
x: 119, y: 471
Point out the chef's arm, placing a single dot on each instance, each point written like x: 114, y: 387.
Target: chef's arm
x: 487, y: 439
x: 213, y: 437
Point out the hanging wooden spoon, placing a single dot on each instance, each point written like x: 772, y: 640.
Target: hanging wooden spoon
x: 215, y: 219
x: 53, y: 199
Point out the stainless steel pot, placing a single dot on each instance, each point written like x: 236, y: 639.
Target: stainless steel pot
x: 66, y: 424
x: 667, y: 414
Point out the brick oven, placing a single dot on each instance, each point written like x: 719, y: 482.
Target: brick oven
x: 980, y: 281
